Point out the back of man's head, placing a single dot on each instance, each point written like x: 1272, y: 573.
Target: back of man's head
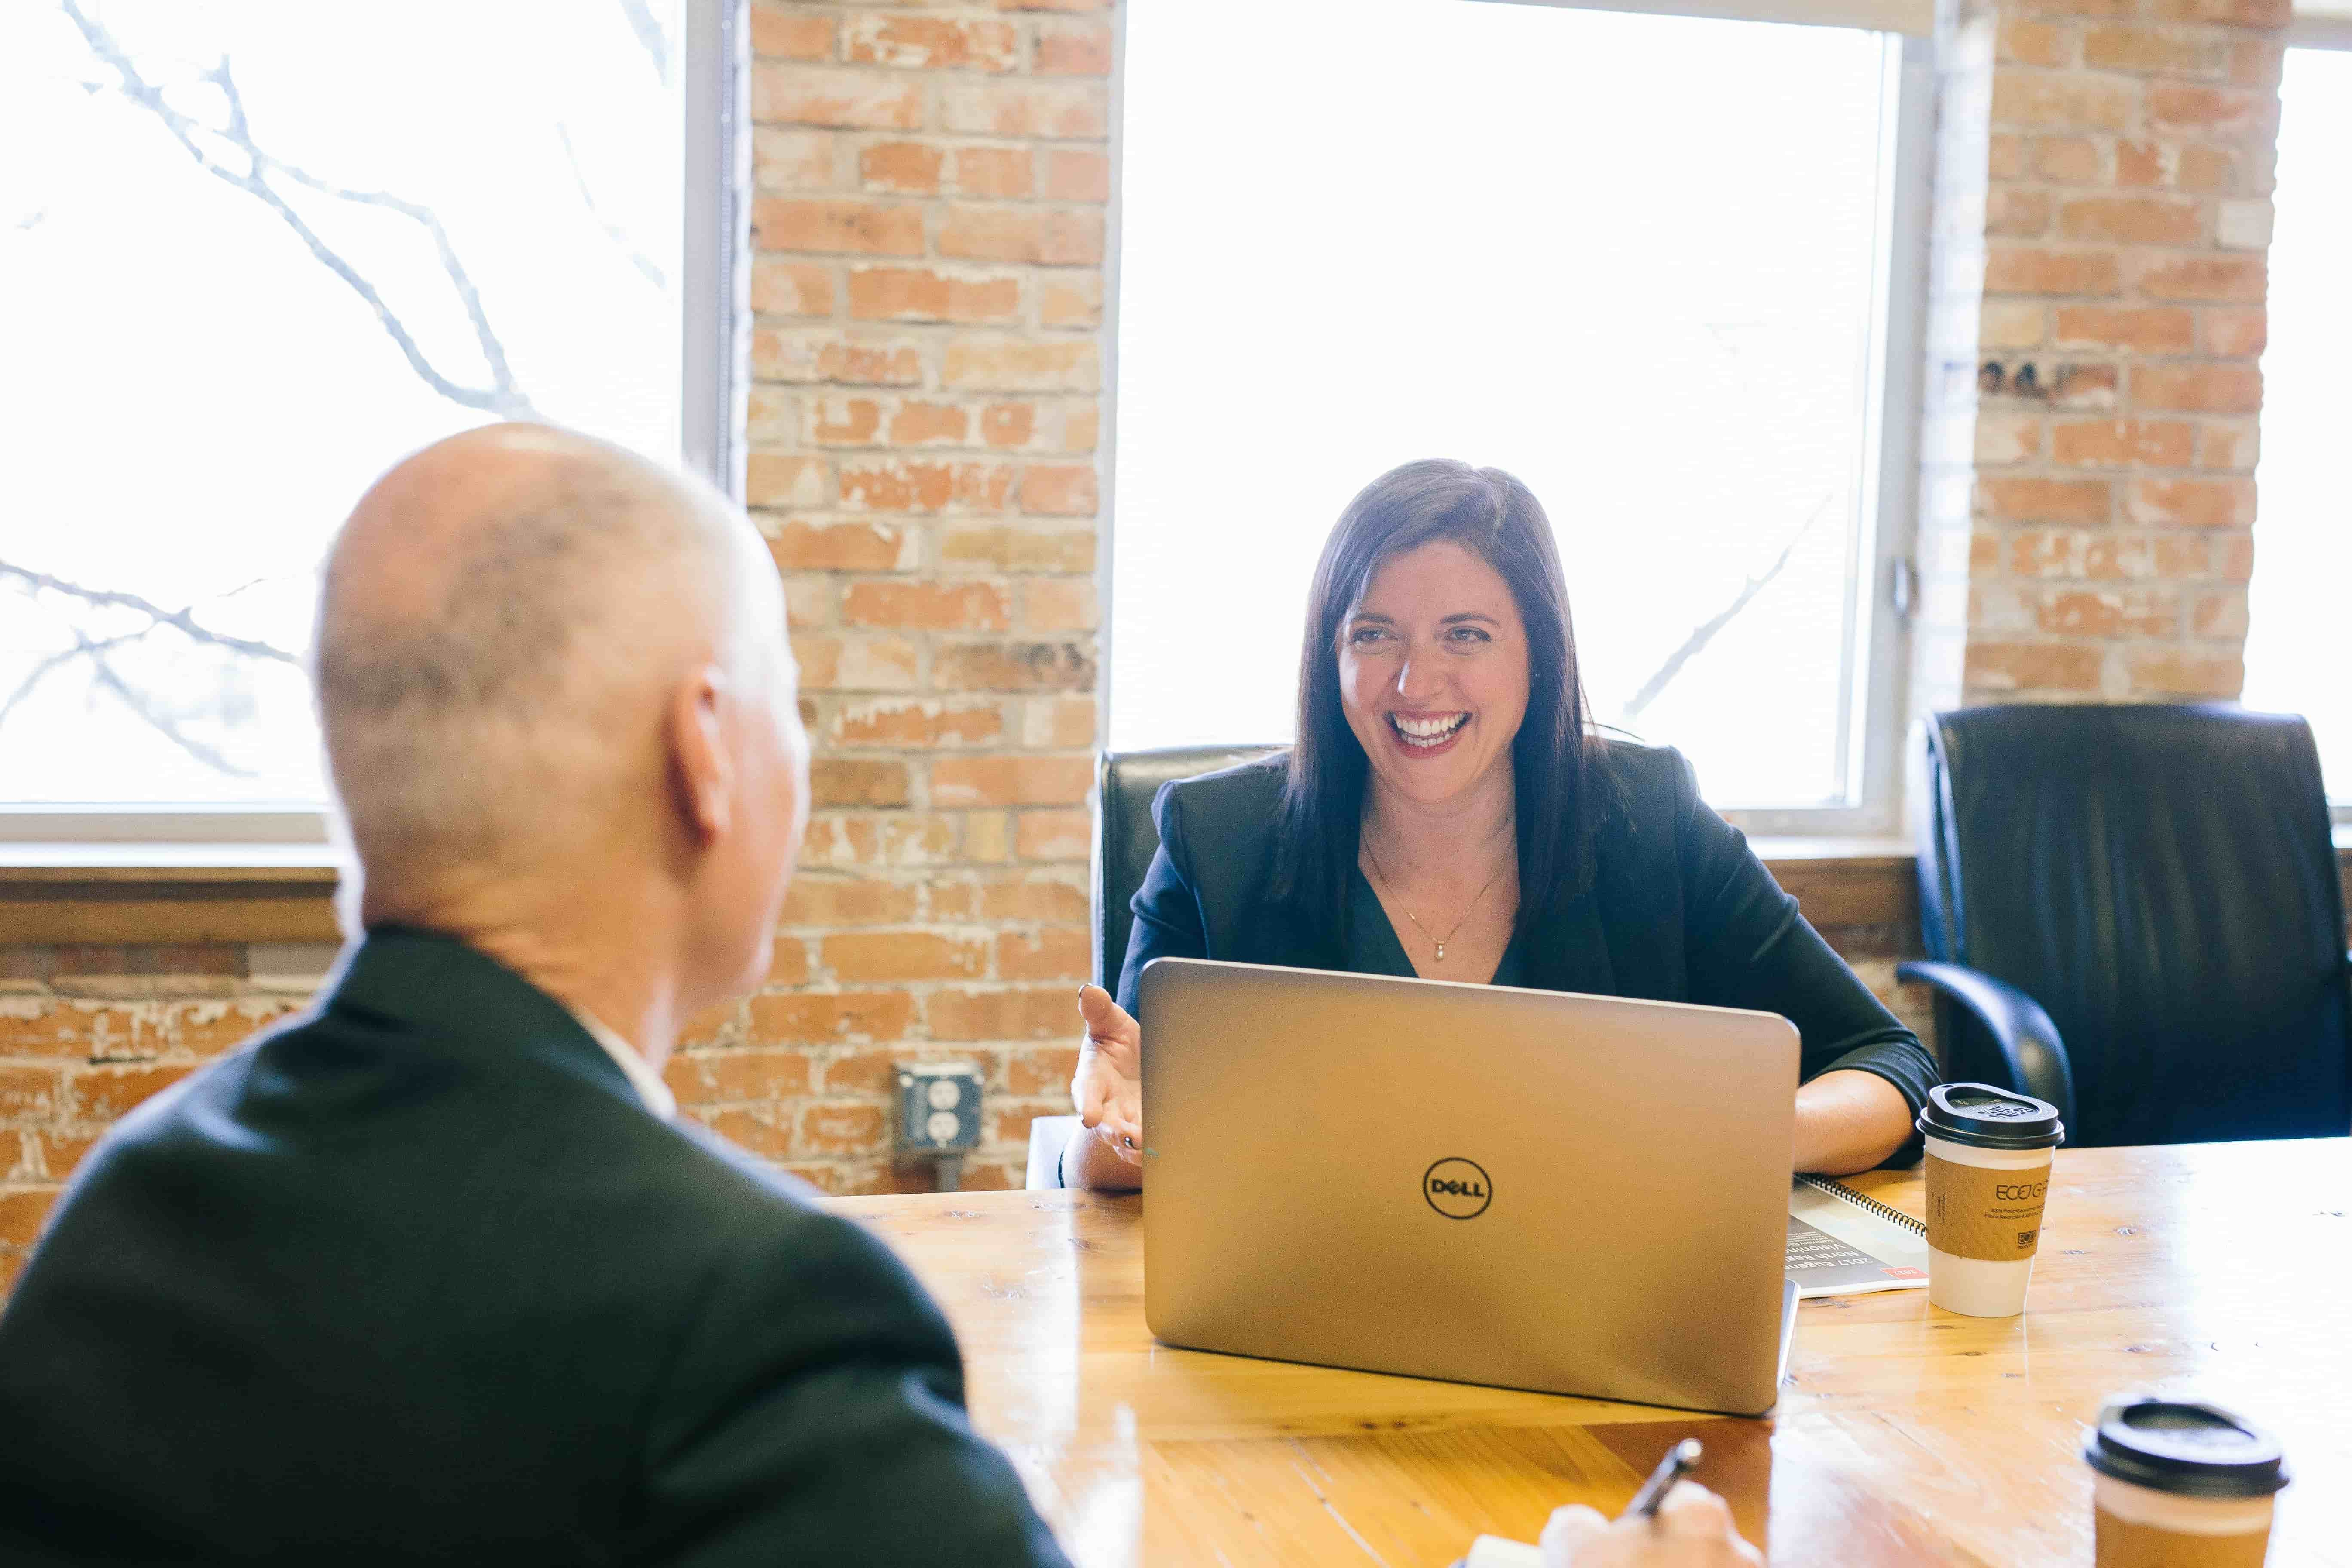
x: 503, y: 629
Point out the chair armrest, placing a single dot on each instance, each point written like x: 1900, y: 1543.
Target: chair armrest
x: 2027, y: 1039
x: 1048, y: 1136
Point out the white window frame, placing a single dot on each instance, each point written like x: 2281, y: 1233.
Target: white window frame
x: 2320, y: 24
x: 1874, y: 707
x: 2328, y: 26
x: 715, y: 318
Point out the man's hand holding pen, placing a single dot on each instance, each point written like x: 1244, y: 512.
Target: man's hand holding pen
x: 1691, y: 1529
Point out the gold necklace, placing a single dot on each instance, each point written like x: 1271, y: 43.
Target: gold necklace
x: 1440, y: 942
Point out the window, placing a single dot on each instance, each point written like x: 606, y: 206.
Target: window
x: 2303, y: 528
x: 261, y: 253
x: 1647, y: 263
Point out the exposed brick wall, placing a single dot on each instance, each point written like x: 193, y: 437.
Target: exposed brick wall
x: 929, y: 234
x: 2126, y: 211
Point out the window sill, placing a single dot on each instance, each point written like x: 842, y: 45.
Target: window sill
x: 55, y: 894
x: 72, y: 894
x: 1840, y: 882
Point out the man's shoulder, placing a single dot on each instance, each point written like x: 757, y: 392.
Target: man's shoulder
x: 737, y: 1194
x: 348, y: 1103
x: 519, y: 1205
x: 774, y: 1248
x: 767, y: 1242
x: 368, y: 1222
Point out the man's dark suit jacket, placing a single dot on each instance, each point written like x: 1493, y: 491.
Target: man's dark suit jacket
x: 419, y: 1278
x: 1678, y: 909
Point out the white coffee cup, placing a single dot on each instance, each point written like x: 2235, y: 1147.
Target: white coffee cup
x: 1981, y: 1260
x: 1979, y: 1287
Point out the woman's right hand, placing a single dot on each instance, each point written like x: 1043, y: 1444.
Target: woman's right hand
x: 1108, y: 1087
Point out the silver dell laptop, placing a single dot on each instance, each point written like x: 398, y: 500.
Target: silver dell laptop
x: 1580, y: 1195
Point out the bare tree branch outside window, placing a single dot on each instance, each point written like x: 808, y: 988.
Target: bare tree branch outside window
x: 1704, y: 632
x: 646, y: 265
x: 227, y: 145
x: 502, y: 395
x: 650, y: 36
x: 147, y: 707
x: 82, y: 647
x: 179, y: 620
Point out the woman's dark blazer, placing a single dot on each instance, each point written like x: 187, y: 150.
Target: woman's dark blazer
x: 1679, y: 908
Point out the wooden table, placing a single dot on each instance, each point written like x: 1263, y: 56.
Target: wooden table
x: 1907, y: 1435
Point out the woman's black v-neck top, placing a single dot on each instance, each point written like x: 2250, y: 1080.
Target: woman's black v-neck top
x: 1678, y: 909
x: 1376, y: 947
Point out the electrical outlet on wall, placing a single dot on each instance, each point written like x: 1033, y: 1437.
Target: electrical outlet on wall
x: 939, y: 1109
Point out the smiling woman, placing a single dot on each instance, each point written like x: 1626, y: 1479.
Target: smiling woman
x: 1434, y: 696
x: 1440, y: 667
x: 1449, y: 813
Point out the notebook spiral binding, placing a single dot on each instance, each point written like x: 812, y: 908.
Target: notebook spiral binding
x: 1840, y: 1190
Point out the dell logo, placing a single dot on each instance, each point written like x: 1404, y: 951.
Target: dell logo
x: 1458, y: 1189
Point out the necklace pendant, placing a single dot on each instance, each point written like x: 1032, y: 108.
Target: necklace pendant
x: 1441, y: 950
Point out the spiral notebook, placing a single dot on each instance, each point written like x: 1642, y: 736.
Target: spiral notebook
x: 1843, y: 1244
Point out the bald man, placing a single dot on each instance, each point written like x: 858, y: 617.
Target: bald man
x: 432, y: 1273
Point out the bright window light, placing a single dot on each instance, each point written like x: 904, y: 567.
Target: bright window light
x: 1518, y: 236
x: 253, y: 254
x: 2303, y: 528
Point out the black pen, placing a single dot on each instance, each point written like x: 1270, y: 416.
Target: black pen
x: 1671, y: 1468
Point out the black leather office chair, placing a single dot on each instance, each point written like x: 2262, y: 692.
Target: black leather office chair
x: 1126, y: 838
x: 2133, y: 912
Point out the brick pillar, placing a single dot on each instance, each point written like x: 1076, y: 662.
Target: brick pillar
x: 929, y: 229
x: 2111, y: 401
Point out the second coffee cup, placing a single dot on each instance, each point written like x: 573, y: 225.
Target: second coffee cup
x: 2181, y: 1484
x: 1989, y: 1154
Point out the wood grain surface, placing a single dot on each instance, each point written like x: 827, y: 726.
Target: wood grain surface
x: 1906, y: 1434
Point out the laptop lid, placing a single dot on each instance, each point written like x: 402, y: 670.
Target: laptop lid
x: 1579, y: 1194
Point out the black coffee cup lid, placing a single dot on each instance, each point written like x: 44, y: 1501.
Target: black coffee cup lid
x: 2184, y: 1448
x: 1984, y: 1117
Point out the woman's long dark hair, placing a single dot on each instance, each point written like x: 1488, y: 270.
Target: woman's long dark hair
x: 1498, y: 519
